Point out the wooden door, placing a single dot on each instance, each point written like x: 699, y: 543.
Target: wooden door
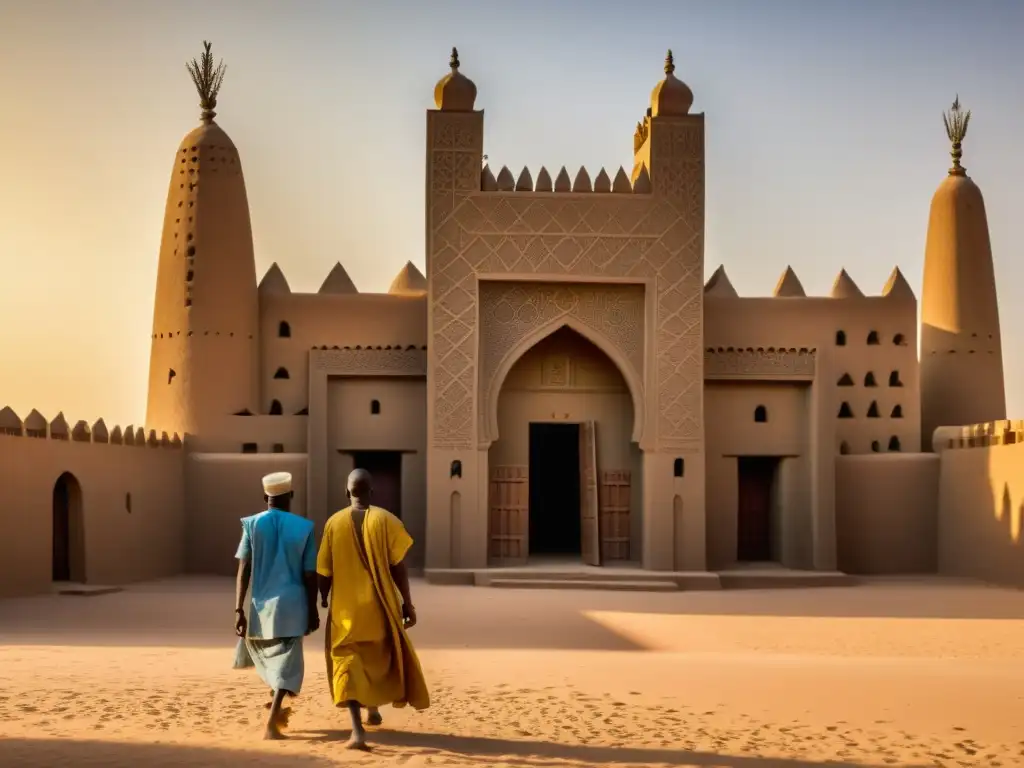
x: 754, y: 518
x: 614, y: 503
x: 590, y: 523
x: 509, y: 518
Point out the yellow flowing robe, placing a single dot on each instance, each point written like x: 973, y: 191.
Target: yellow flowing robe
x: 369, y: 656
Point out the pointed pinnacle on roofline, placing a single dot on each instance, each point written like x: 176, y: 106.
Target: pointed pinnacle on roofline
x: 453, y: 62
x: 670, y: 63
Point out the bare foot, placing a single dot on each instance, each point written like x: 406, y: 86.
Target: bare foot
x: 357, y: 741
x: 373, y: 717
x: 273, y: 733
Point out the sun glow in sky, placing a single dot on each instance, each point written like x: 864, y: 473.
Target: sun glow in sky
x: 824, y: 144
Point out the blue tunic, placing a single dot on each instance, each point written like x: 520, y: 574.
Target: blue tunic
x: 281, y: 547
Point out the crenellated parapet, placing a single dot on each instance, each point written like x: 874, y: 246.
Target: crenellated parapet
x: 36, y: 426
x: 790, y: 287
x: 989, y: 433
x: 580, y: 183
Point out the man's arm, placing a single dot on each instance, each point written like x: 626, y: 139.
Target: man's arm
x: 400, y: 573
x: 242, y: 584
x: 325, y: 565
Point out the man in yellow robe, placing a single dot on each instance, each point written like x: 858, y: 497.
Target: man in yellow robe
x: 370, y: 660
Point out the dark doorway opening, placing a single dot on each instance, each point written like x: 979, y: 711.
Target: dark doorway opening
x: 555, y: 526
x: 386, y: 469
x: 754, y: 527
x: 68, y: 535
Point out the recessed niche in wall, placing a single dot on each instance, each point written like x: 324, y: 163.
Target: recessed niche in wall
x: 243, y: 412
x: 278, y: 448
x: 869, y: 380
x: 281, y: 373
x: 456, y: 469
x: 275, y: 408
x: 678, y: 467
x: 845, y: 411
x: 875, y: 447
x: 284, y: 331
x: 873, y: 337
x: 894, y: 443
x: 302, y: 412
x: 128, y: 502
x: 846, y: 380
x: 844, y: 448
x: 840, y: 338
x: 899, y: 340
x: 760, y: 414
x: 897, y: 412
x: 170, y: 375
x: 375, y: 407
x: 894, y: 379
x: 250, y: 448
x: 873, y: 410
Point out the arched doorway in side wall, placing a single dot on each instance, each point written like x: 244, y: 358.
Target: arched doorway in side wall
x: 68, y: 530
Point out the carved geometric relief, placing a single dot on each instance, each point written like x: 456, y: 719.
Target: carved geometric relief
x: 511, y: 311
x: 771, y: 362
x: 657, y: 237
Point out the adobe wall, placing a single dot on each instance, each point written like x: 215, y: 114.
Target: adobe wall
x: 221, y: 489
x: 130, y: 506
x: 732, y: 432
x: 981, y: 502
x: 565, y: 378
x: 315, y: 320
x: 398, y: 425
x: 886, y: 520
x: 816, y: 322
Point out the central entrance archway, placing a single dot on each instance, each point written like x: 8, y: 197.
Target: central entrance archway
x: 68, y: 530
x: 562, y: 467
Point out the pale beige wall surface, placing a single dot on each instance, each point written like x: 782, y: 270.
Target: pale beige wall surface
x: 119, y: 546
x: 400, y: 426
x: 222, y: 489
x: 814, y: 322
x: 731, y: 432
x: 886, y: 520
x: 981, y: 513
x: 316, y: 320
x: 565, y: 378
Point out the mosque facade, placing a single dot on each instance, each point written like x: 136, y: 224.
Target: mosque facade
x: 561, y: 384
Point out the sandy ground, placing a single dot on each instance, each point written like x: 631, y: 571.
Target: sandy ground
x: 892, y: 673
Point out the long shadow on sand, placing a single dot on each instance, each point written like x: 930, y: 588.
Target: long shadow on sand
x: 482, y: 751
x: 47, y: 753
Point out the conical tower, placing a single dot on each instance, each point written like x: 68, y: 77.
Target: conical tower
x: 961, y: 347
x: 204, y: 359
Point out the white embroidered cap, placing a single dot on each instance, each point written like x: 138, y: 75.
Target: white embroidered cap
x: 277, y: 483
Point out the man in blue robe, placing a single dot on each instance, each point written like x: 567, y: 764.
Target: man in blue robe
x: 277, y: 556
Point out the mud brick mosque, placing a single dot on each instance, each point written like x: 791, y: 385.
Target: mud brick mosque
x: 562, y: 391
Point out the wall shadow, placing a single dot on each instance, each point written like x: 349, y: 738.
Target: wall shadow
x: 481, y: 751
x: 38, y: 753
x: 198, y: 613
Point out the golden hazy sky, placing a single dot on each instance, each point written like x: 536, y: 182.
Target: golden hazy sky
x: 825, y: 144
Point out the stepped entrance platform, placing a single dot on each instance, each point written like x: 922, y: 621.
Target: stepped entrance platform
x: 630, y: 577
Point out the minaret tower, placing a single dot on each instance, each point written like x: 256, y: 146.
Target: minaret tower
x: 961, y: 348
x: 204, y: 360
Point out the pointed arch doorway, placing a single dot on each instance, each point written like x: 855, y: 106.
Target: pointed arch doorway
x: 562, y: 463
x: 68, y: 531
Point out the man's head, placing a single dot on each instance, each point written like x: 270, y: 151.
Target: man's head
x: 277, y: 490
x: 360, y: 485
